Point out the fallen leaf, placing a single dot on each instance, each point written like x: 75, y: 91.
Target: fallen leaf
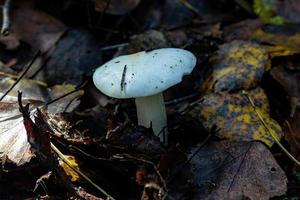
x: 279, y: 37
x: 68, y: 170
x: 237, y: 65
x: 76, y: 54
x: 66, y: 104
x: 62, y: 127
x: 146, y: 41
x: 31, y: 89
x: 14, y: 144
x: 235, y: 118
x: 236, y: 170
x: 38, y: 90
x: 38, y: 29
x: 116, y: 7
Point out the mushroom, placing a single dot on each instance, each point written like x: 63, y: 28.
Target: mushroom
x: 144, y: 76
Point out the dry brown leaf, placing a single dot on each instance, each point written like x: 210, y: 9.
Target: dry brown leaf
x: 116, y: 7
x: 14, y: 144
x: 38, y: 29
x: 241, y: 170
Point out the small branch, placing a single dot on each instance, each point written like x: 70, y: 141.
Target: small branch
x: 5, y: 18
x: 67, y: 94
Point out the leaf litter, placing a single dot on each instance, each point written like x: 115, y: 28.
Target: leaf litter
x: 83, y: 133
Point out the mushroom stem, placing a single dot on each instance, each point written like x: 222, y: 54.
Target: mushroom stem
x: 152, y: 109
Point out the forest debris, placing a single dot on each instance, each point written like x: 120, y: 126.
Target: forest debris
x: 76, y: 54
x: 285, y: 36
x: 68, y: 170
x: 116, y: 7
x: 6, y: 18
x: 66, y: 104
x: 85, y: 195
x: 290, y: 10
x: 38, y: 90
x: 237, y: 65
x: 38, y: 29
x: 235, y: 118
x: 267, y: 11
x: 289, y: 79
x: 228, y: 170
x: 278, y: 12
x: 63, y: 128
x: 146, y: 41
x: 14, y: 144
x: 138, y: 139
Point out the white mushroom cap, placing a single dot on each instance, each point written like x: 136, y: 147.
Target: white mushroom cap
x: 144, y: 73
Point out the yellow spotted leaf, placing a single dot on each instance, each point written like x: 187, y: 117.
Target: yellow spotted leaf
x: 237, y: 65
x: 68, y: 170
x: 235, y: 118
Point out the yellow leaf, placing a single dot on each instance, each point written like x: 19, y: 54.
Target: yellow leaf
x: 235, y: 117
x: 68, y: 170
x: 237, y: 65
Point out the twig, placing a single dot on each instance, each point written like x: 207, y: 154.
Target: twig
x: 273, y: 135
x: 180, y: 99
x: 21, y: 76
x: 63, y: 96
x: 12, y: 76
x: 189, y: 6
x: 120, y: 156
x: 116, y: 46
x: 62, y: 157
x: 5, y: 18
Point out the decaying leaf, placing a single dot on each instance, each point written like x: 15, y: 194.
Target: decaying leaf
x: 115, y: 7
x: 284, y: 39
x: 237, y: 65
x: 34, y: 27
x: 68, y: 170
x: 235, y: 118
x: 14, y: 144
x: 38, y: 90
x: 62, y: 127
x: 31, y: 89
x: 290, y: 80
x: 76, y: 54
x: 241, y: 170
x: 66, y: 104
x: 146, y: 41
